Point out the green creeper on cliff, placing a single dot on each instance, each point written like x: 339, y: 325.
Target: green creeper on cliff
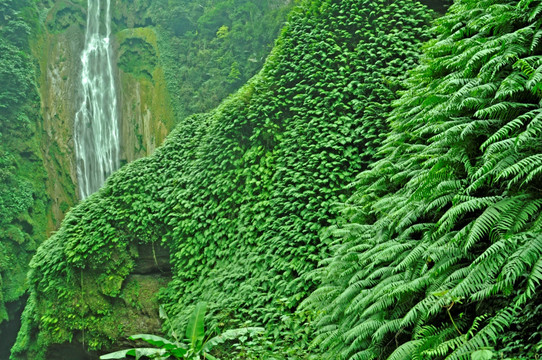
x: 23, y: 201
x: 240, y: 196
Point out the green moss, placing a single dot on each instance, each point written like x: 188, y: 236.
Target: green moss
x: 64, y: 206
x: 130, y: 294
x: 22, y: 192
x: 137, y: 57
x: 110, y: 285
x: 63, y: 15
x: 131, y: 14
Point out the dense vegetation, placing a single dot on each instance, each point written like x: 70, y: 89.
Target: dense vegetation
x: 427, y: 212
x: 22, y: 192
x: 24, y: 26
x: 241, y: 195
x: 440, y: 251
x: 209, y: 48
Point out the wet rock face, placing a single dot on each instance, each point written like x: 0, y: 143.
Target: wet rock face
x: 145, y: 114
x: 131, y: 304
x: 153, y: 259
x: 65, y: 15
x: 58, y: 53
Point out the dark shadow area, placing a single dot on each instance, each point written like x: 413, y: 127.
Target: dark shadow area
x: 152, y: 259
x: 440, y: 6
x: 10, y: 328
x: 70, y: 351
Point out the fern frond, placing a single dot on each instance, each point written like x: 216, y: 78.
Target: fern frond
x: 535, y: 12
x: 522, y: 259
x: 525, y: 168
x: 502, y: 110
x: 483, y: 225
x: 511, y: 127
x: 536, y: 40
x: 532, y: 132
x: 467, y: 205
x: 500, y: 147
x: 534, y: 278
x: 513, y: 84
x: 528, y: 211
x: 487, y: 335
x: 406, y: 351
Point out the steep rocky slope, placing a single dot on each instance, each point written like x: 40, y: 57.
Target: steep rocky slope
x: 41, y: 43
x: 23, y: 201
x: 239, y: 196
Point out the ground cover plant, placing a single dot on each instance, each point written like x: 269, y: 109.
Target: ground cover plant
x: 240, y: 195
x: 23, y: 201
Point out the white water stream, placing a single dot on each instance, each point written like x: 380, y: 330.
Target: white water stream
x: 96, y: 132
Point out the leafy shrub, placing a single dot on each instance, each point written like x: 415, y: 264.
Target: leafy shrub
x: 241, y: 195
x: 199, y: 343
x: 443, y: 234
x: 22, y: 191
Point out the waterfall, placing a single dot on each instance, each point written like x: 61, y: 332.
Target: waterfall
x: 96, y: 132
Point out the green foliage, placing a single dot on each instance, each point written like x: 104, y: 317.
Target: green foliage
x: 210, y: 48
x: 64, y: 15
x: 484, y: 354
x: 137, y: 57
x: 22, y: 193
x: 523, y: 340
x: 196, y: 347
x: 241, y: 195
x: 446, y: 226
x: 16, y: 73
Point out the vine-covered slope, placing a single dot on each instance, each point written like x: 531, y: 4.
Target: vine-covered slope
x: 40, y: 59
x: 440, y: 255
x: 240, y: 195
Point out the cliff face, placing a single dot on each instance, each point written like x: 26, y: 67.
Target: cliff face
x: 57, y: 50
x: 146, y: 113
x: 144, y: 116
x: 238, y: 196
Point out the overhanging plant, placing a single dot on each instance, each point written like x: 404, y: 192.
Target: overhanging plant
x: 192, y: 346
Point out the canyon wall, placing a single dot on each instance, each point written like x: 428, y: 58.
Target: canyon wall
x: 145, y: 118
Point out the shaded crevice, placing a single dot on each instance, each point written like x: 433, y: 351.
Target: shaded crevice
x: 135, y: 308
x: 153, y: 259
x: 10, y: 328
x: 70, y: 351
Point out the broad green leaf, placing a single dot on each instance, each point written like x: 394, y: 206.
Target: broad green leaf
x: 230, y: 335
x: 156, y: 340
x: 195, y: 330
x: 152, y: 353
x: 210, y: 357
x: 118, y: 354
x: 138, y: 353
x: 162, y: 313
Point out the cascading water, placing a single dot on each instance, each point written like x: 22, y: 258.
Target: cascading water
x: 96, y: 132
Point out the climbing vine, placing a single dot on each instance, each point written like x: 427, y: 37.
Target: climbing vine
x: 240, y: 195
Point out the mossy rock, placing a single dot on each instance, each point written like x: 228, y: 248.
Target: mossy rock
x: 64, y: 15
x: 131, y: 14
x: 137, y: 52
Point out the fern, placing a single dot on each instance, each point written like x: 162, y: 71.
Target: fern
x: 457, y: 182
